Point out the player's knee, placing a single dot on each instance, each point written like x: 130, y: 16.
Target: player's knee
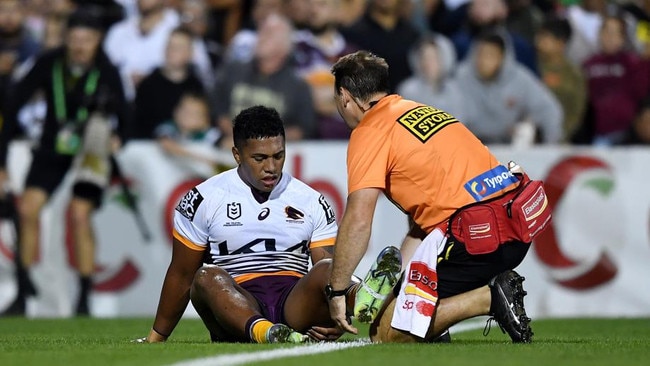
x: 382, y: 332
x: 209, y: 277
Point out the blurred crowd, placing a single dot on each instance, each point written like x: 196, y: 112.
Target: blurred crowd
x: 517, y: 72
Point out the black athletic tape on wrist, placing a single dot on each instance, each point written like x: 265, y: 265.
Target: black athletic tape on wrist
x: 160, y: 333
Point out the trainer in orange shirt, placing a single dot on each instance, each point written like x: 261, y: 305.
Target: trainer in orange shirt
x: 429, y: 165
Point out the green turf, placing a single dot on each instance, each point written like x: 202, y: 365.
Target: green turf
x: 98, y: 342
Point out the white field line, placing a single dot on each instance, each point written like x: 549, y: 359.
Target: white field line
x: 244, y: 358
x: 235, y: 359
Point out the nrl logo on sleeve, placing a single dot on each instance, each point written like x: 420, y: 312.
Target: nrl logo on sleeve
x: 189, y: 204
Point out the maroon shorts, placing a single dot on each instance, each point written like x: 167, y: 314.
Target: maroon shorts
x: 271, y: 292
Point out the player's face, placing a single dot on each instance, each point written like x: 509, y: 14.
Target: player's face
x: 261, y: 162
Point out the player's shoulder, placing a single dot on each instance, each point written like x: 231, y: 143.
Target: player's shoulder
x: 296, y: 186
x: 219, y: 183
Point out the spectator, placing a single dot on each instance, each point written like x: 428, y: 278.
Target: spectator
x: 195, y: 17
x: 524, y: 19
x: 316, y: 50
x: 560, y: 75
x: 616, y: 83
x: 242, y: 45
x: 16, y: 45
x: 501, y: 93
x: 206, y: 54
x: 269, y: 79
x: 299, y: 12
x: 161, y: 90
x: 433, y: 60
x: 137, y: 45
x: 444, y: 16
x: 56, y: 16
x: 191, y: 123
x: 224, y: 20
x: 79, y: 82
x: 586, y: 18
x: 383, y: 31
x: 639, y: 133
x: 490, y: 16
x: 351, y: 11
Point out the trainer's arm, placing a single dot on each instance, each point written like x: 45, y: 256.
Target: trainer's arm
x: 351, y: 244
x: 175, y: 293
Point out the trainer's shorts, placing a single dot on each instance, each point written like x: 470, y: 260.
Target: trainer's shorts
x: 459, y: 271
x: 271, y: 293
x: 48, y: 170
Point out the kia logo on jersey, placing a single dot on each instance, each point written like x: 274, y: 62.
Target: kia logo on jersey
x: 264, y: 214
x: 233, y: 210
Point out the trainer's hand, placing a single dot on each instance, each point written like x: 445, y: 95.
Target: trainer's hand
x: 337, y: 312
x: 321, y: 334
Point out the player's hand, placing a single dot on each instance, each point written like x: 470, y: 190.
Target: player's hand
x: 321, y: 334
x: 153, y: 337
x: 337, y: 312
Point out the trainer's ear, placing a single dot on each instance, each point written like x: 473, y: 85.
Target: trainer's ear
x: 345, y: 96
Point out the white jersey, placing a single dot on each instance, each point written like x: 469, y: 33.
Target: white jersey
x: 247, y: 238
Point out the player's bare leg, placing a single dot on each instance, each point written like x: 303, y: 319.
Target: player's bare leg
x: 306, y: 305
x: 449, y: 311
x: 31, y: 204
x: 231, y: 313
x: 81, y: 212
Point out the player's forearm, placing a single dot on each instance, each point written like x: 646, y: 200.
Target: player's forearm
x: 174, y: 298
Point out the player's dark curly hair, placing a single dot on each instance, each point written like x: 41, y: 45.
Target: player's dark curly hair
x: 255, y: 123
x: 362, y: 73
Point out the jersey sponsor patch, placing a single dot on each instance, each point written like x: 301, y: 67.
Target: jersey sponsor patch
x: 490, y: 182
x: 424, y: 121
x: 189, y: 204
x: 329, y: 213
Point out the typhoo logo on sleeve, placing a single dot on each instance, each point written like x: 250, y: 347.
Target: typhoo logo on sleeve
x: 423, y: 122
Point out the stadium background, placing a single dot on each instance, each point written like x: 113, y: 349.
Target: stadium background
x: 593, y: 262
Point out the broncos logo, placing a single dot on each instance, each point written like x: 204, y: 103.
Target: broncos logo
x: 293, y: 213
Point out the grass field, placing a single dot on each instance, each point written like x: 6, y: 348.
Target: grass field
x: 99, y: 342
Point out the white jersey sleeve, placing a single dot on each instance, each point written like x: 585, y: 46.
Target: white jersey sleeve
x: 325, y: 227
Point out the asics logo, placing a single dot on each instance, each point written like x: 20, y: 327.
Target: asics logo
x: 264, y: 214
